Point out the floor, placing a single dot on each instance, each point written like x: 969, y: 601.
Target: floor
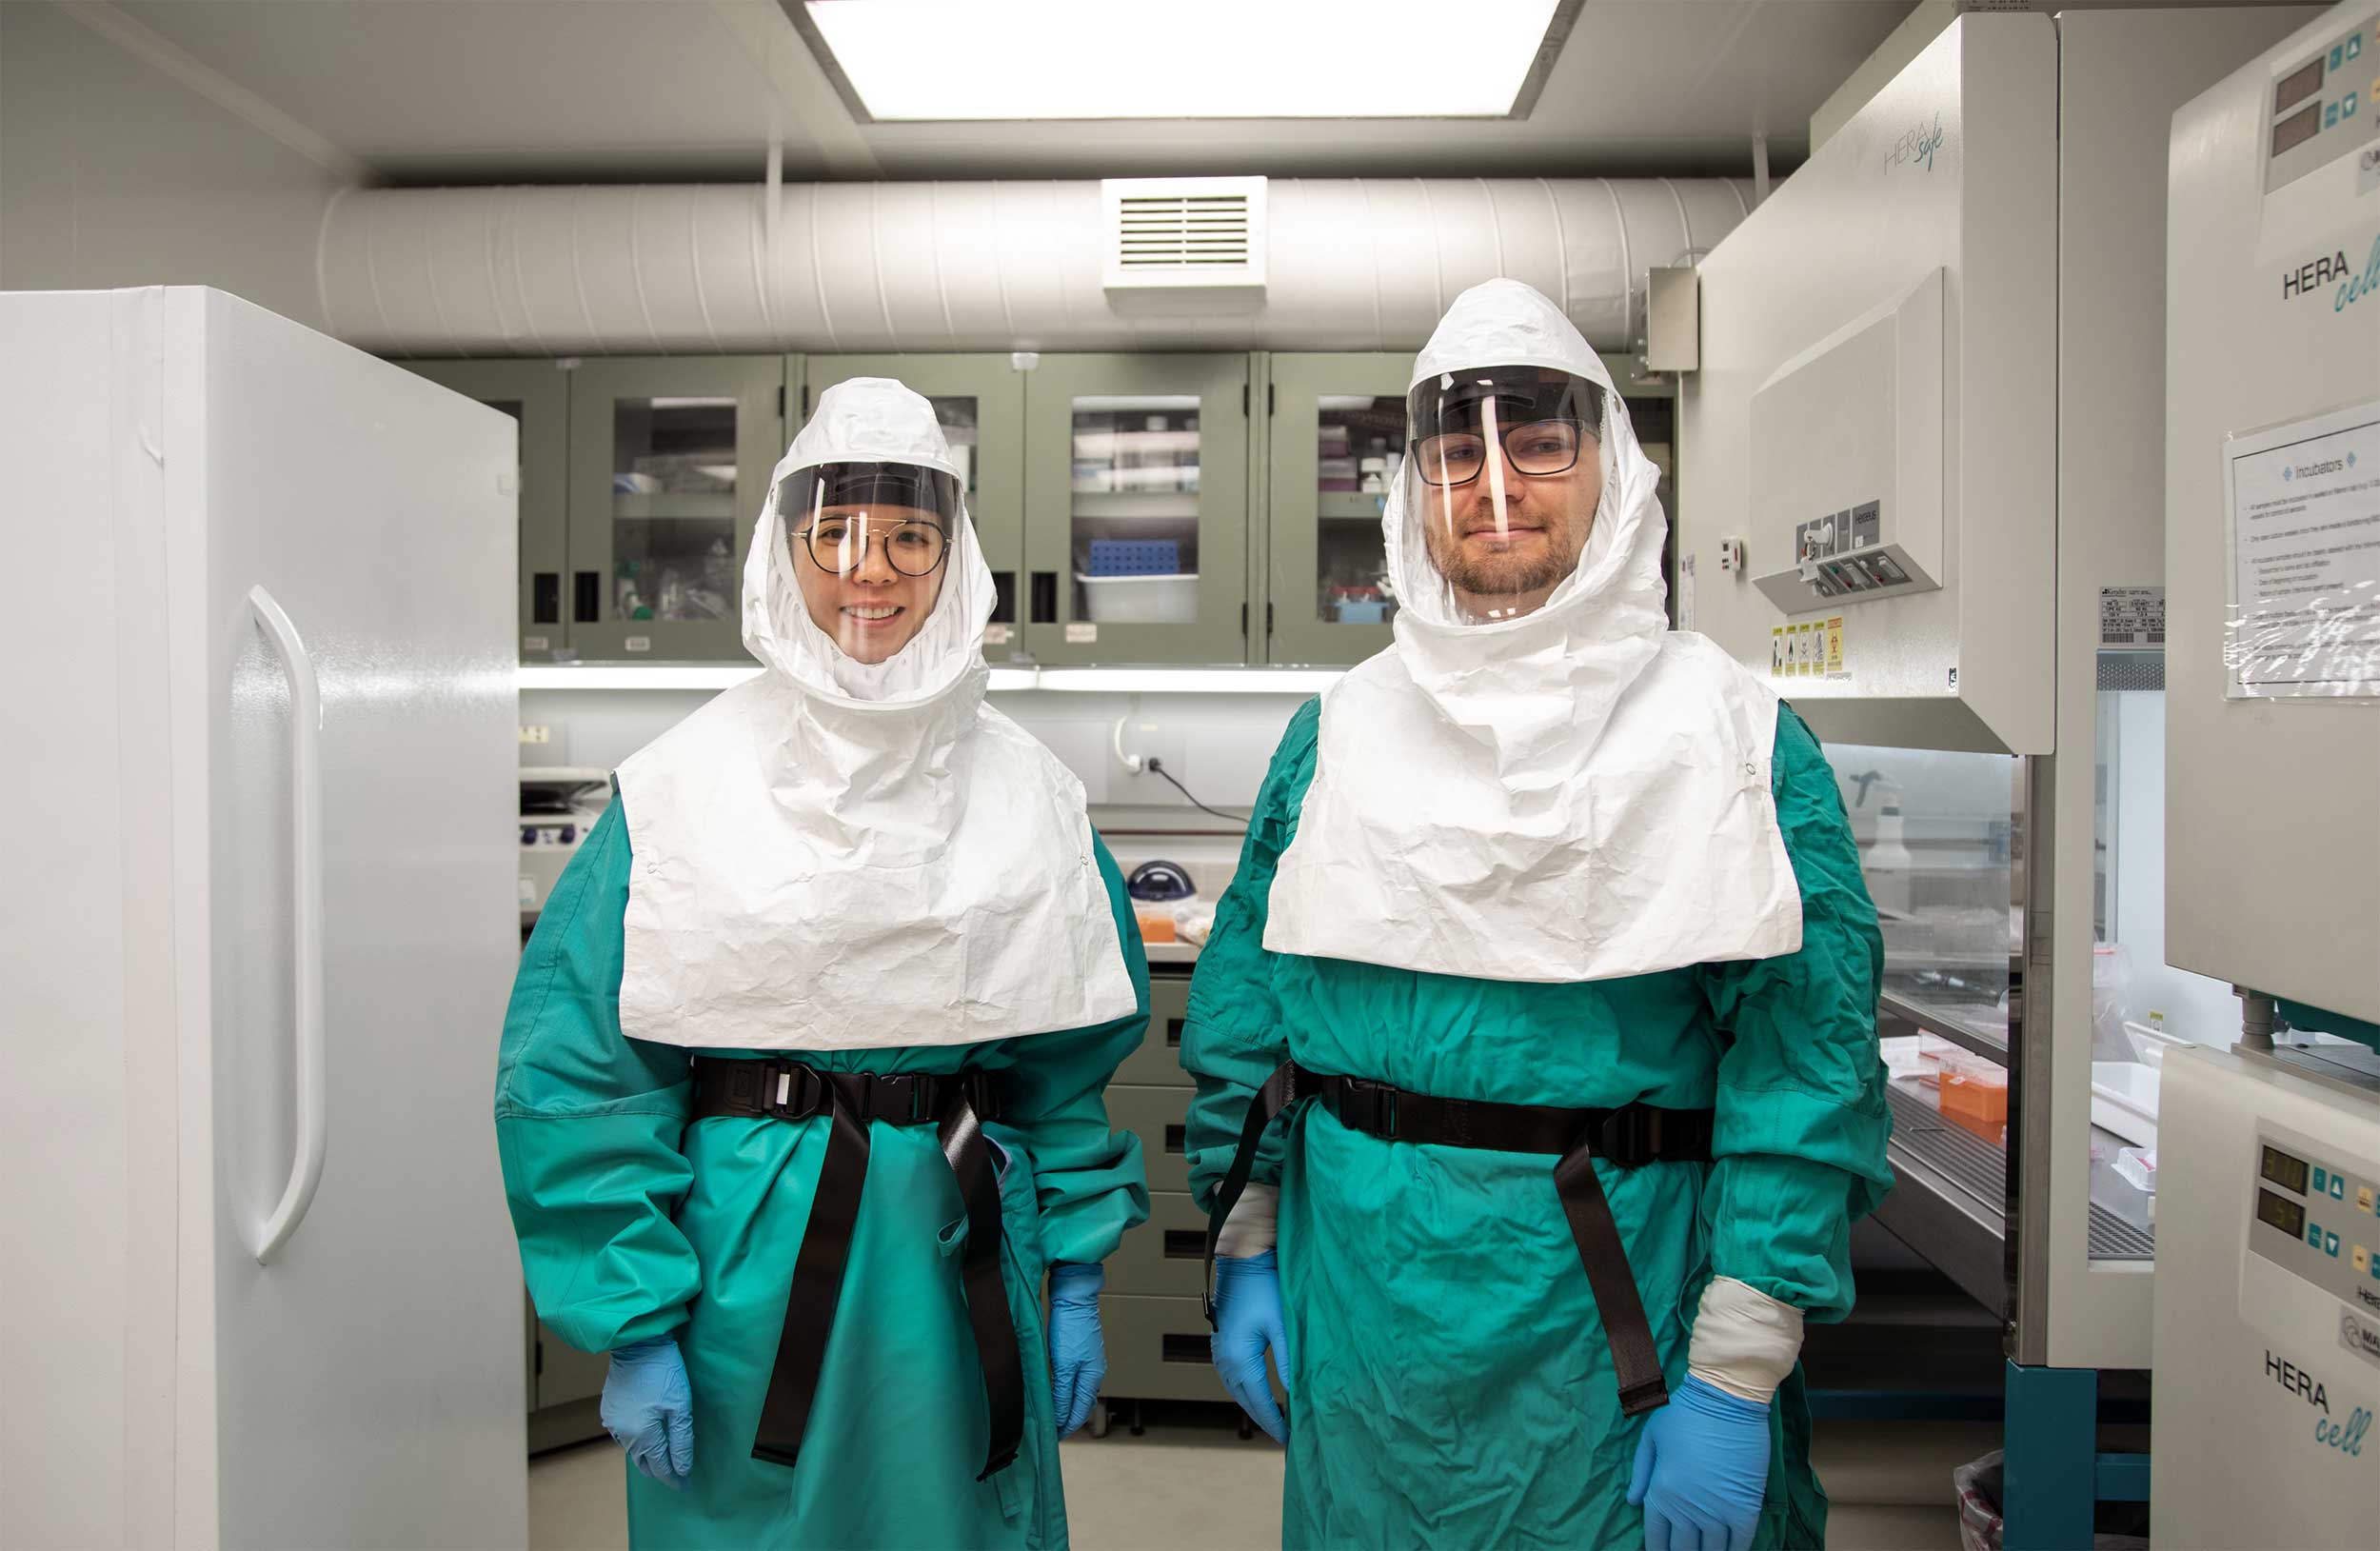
x: 1194, y: 1484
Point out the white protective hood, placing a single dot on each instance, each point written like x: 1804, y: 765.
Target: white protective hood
x: 1576, y: 794
x: 835, y: 856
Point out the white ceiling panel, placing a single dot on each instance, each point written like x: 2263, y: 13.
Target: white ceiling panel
x: 481, y: 90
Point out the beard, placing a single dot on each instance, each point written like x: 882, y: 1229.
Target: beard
x: 1501, y: 572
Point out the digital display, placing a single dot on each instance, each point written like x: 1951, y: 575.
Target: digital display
x: 2292, y: 132
x: 2296, y: 89
x: 2285, y: 1171
x: 2286, y: 1215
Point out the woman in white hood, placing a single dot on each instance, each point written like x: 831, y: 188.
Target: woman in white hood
x: 845, y: 933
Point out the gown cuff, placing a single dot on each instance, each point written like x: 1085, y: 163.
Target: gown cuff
x: 1744, y: 1342
x: 1252, y: 1228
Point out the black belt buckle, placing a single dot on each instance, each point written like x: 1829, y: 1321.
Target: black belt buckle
x: 1628, y: 1135
x: 981, y: 1092
x: 789, y: 1092
x: 1367, y: 1105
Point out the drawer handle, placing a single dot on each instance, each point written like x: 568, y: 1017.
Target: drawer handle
x: 1173, y: 1032
x: 545, y: 597
x: 1177, y: 1140
x: 1192, y: 1349
x: 1186, y: 1243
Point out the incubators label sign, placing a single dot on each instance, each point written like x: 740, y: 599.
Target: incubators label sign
x: 2304, y: 508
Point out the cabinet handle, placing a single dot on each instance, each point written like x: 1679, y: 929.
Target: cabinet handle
x: 305, y: 848
x: 1173, y: 1032
x: 1176, y: 1138
x: 545, y: 597
x: 588, y: 605
x: 1004, y: 601
x: 1045, y: 597
x: 1186, y: 1243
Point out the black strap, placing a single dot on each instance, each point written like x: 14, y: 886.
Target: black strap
x: 958, y: 1105
x: 1629, y: 1136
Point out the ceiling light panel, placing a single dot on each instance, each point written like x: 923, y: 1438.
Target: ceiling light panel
x: 1071, y: 59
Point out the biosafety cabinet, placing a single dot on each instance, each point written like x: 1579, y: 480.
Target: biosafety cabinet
x: 1923, y: 485
x: 2268, y: 1308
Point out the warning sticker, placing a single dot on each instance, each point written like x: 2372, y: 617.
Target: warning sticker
x: 1834, y: 647
x: 1776, y: 652
x: 2131, y: 618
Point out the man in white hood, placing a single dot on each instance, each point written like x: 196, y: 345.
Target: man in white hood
x: 846, y: 934
x: 1549, y: 933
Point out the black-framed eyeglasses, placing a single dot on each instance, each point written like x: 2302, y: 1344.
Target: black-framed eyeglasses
x: 1537, y: 449
x: 839, y: 543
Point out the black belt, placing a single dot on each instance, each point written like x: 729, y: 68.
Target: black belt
x: 1629, y: 1136
x: 958, y: 1105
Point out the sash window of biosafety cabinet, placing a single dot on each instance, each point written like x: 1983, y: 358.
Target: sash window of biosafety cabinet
x: 979, y: 402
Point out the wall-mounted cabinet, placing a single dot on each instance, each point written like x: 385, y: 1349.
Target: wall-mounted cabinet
x: 1338, y: 439
x: 1188, y: 510
x: 537, y: 395
x: 980, y: 401
x: 1136, y: 508
x: 669, y: 463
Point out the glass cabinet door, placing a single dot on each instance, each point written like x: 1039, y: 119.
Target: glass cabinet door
x: 669, y: 463
x: 980, y: 401
x: 537, y: 395
x: 1136, y: 508
x: 1337, y: 443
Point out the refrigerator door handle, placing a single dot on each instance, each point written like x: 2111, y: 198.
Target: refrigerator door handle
x: 306, y: 816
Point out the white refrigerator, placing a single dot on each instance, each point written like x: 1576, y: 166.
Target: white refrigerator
x: 257, y: 1288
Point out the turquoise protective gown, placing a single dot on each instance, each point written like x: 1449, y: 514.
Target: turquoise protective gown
x: 1449, y: 1381
x: 634, y: 1223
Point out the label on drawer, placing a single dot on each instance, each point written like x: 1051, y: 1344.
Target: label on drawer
x: 1081, y: 635
x: 639, y: 643
x: 999, y: 635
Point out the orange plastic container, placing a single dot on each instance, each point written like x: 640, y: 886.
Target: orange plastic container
x: 1157, y: 928
x: 1977, y: 1102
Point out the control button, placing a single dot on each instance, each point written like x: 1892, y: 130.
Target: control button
x: 2338, y: 1187
x: 2363, y: 1197
x: 2346, y: 106
x: 2355, y: 47
x: 2322, y: 1179
x: 529, y: 836
x: 2313, y: 1234
x: 2338, y: 56
x: 2362, y: 1258
x: 2330, y: 116
x: 570, y: 836
x: 2331, y: 1245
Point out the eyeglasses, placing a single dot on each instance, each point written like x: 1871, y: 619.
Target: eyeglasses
x: 913, y: 548
x: 1537, y: 449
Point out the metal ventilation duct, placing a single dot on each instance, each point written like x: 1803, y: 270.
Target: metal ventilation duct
x: 1350, y: 265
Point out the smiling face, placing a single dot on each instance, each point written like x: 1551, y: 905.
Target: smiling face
x: 1505, y: 540
x: 853, y: 565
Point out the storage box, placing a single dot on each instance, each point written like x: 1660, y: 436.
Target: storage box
x: 1141, y: 600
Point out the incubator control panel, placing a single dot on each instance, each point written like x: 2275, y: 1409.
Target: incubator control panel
x: 2322, y: 106
x: 2317, y: 1216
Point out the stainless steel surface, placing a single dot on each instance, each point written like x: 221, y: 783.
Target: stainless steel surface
x: 2349, y: 1069
x: 1949, y: 1201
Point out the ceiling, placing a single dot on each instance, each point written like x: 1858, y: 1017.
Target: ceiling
x: 442, y: 92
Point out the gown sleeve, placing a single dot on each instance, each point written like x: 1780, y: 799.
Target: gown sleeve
x: 1802, y: 1117
x: 1233, y: 1037
x: 1090, y: 1180
x: 589, y: 1121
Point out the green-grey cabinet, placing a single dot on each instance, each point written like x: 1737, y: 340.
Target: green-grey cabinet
x: 537, y: 395
x: 1336, y: 441
x: 669, y: 463
x: 980, y: 401
x: 1136, y: 491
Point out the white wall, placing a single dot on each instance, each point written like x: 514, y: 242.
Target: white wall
x: 113, y: 171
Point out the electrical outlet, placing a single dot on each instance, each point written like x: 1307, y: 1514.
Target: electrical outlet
x: 535, y: 734
x: 1143, y: 741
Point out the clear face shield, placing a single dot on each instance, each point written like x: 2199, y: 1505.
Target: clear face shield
x: 869, y: 544
x: 1504, y: 469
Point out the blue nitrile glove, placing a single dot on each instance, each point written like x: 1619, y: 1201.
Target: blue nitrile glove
x: 1247, y: 1322
x: 1702, y: 1468
x: 648, y: 1409
x: 1077, y: 1357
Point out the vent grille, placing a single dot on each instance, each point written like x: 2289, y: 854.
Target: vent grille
x: 1184, y: 242
x: 1183, y: 231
